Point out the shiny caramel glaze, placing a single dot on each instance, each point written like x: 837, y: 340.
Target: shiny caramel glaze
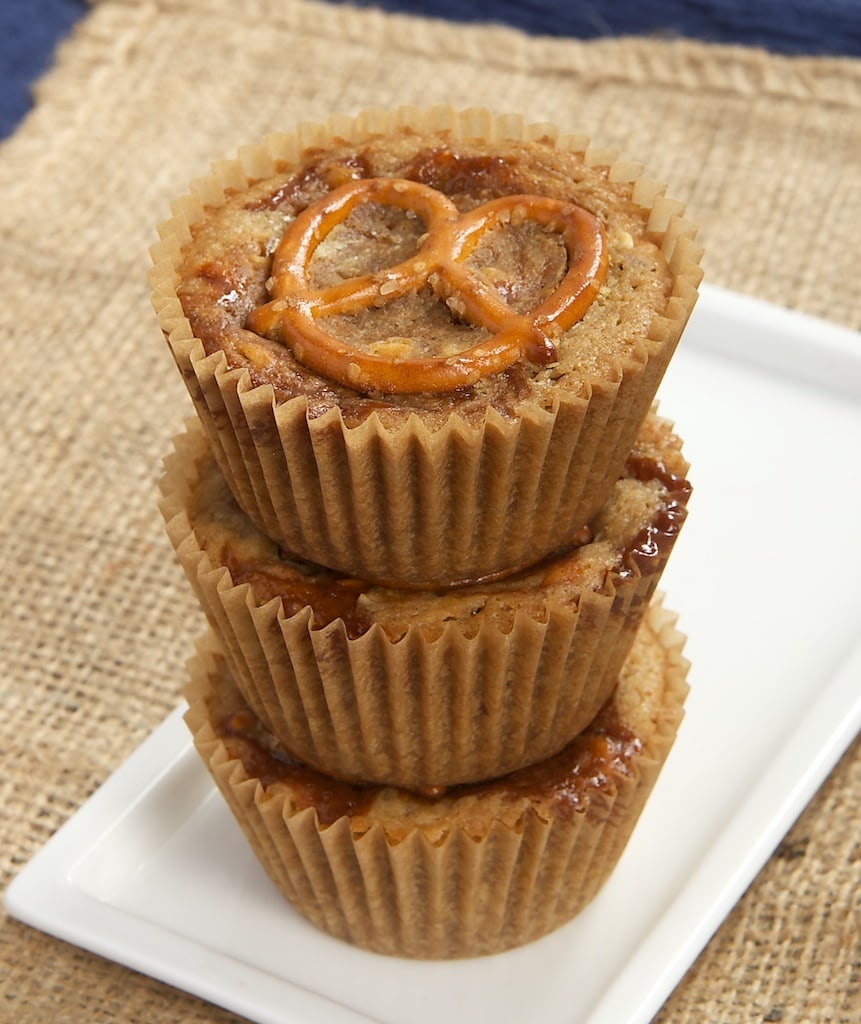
x: 654, y: 542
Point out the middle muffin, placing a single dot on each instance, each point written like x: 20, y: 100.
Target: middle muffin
x: 416, y: 688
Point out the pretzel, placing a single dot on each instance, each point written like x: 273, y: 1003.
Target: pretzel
x: 450, y: 237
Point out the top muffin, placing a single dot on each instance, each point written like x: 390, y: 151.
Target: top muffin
x: 358, y: 307
x: 227, y: 273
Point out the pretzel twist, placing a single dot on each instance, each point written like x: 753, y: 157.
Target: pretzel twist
x: 450, y: 237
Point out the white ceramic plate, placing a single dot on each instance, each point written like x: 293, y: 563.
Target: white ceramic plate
x: 153, y: 873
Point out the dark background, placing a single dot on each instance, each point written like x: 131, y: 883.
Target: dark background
x: 30, y: 29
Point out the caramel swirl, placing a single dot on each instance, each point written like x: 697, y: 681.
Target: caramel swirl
x: 450, y: 238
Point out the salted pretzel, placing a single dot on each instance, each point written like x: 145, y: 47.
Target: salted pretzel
x: 450, y: 237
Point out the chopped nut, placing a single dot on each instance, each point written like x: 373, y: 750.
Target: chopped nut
x: 456, y: 304
x: 518, y: 214
x: 392, y: 348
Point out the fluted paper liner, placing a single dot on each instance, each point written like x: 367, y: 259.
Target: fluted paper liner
x: 465, y: 876
x: 415, y: 712
x: 409, y: 503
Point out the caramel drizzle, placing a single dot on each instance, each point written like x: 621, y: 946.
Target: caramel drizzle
x: 595, y: 760
x: 450, y: 238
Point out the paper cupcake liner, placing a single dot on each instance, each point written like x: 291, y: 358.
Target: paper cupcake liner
x: 415, y: 710
x: 472, y: 874
x: 406, y: 503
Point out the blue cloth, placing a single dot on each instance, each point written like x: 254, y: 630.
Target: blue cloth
x: 30, y: 31
x: 816, y: 27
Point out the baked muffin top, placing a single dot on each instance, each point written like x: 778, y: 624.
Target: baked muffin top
x: 635, y: 727
x: 229, y: 274
x: 631, y: 535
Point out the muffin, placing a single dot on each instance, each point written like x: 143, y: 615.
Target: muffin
x: 478, y: 870
x: 426, y: 689
x: 422, y: 342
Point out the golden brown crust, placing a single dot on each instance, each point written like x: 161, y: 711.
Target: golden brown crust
x: 224, y: 272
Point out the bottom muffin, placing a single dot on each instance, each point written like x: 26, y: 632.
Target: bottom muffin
x: 482, y: 868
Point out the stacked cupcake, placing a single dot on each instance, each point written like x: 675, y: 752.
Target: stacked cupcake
x: 425, y: 505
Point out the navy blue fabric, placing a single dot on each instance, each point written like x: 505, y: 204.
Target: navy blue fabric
x: 29, y: 31
x: 816, y: 27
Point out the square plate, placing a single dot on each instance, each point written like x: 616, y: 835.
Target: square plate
x: 152, y: 871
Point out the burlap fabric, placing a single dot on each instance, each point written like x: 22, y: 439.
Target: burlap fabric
x: 96, y: 622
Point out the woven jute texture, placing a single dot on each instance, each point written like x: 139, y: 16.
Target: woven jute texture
x: 96, y: 623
